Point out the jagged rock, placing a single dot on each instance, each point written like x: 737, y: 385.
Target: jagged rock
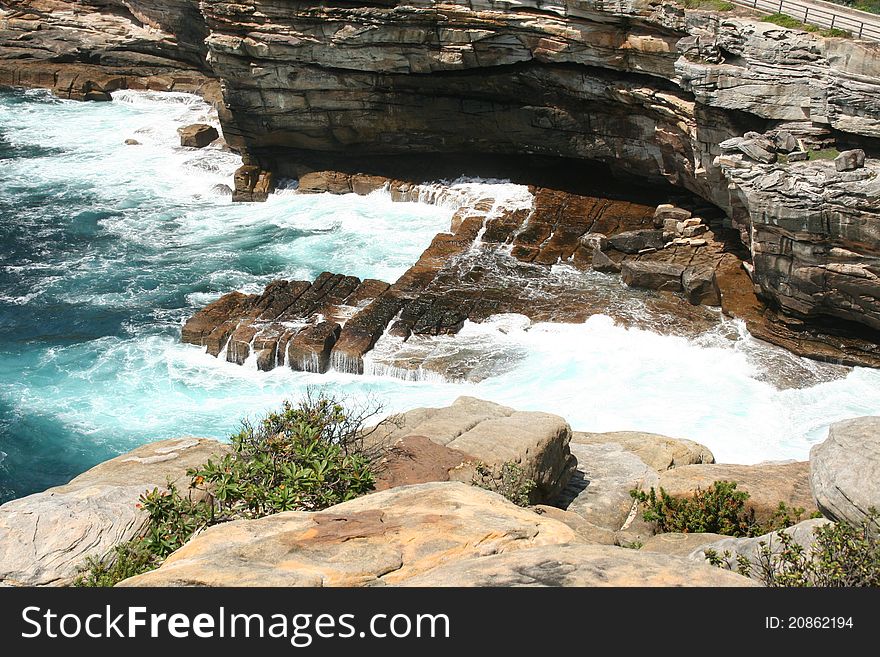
x: 652, y: 275
x: 767, y: 484
x: 785, y: 142
x: 382, y: 538
x: 599, y: 490
x: 803, y: 534
x: 701, y: 286
x: 495, y: 434
x: 845, y: 471
x: 309, y: 350
x: 595, y: 241
x: 604, y: 264
x: 798, y: 156
x: 669, y: 213
x: 46, y: 537
x: 634, y: 241
x: 197, y: 135
x: 659, y: 452
x: 850, y: 160
x: 252, y: 184
x: 578, y: 565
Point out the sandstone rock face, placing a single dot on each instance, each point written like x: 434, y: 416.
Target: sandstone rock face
x: 680, y: 545
x: 83, y: 50
x: 659, y: 452
x: 494, y: 435
x: 803, y: 534
x: 599, y: 490
x: 416, y: 460
x: 768, y: 484
x: 197, y: 135
x: 45, y: 537
x: 382, y: 538
x: 845, y: 471
x: 578, y: 565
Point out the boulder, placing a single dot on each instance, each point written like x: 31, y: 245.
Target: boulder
x: 578, y: 565
x: 798, y: 156
x: 768, y: 484
x: 599, y: 490
x: 197, y: 135
x: 602, y: 263
x: 595, y: 241
x: 633, y: 241
x: 382, y: 538
x: 803, y: 534
x: 845, y: 471
x: 252, y: 184
x: 753, y: 145
x: 659, y: 452
x: 667, y: 212
x: 652, y: 275
x: 46, y: 537
x: 785, y: 142
x: 495, y: 434
x: 132, y: 142
x: 317, y: 182
x: 850, y: 160
x: 700, y: 286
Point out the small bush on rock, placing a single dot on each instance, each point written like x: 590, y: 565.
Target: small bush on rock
x: 719, y: 509
x: 508, y: 480
x: 304, y: 457
x: 842, y: 555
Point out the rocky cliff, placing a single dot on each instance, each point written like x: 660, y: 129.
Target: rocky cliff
x: 641, y: 87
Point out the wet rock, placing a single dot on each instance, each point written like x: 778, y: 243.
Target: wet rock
x: 222, y: 189
x: 252, y: 184
x: 659, y: 452
x: 652, y: 275
x: 198, y: 328
x: 604, y: 264
x: 197, y: 135
x: 318, y: 182
x: 97, y: 96
x: 768, y: 484
x: 845, y: 471
x: 46, y: 537
x: 132, y: 142
x: 850, y: 160
x: 382, y: 538
x: 635, y: 240
x: 701, y: 286
x: 309, y: 350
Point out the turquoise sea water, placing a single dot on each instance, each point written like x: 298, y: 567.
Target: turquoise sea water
x: 105, y: 249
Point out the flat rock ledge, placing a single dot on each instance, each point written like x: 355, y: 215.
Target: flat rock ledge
x: 45, y: 537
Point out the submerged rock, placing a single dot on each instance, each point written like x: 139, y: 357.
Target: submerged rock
x: 197, y: 135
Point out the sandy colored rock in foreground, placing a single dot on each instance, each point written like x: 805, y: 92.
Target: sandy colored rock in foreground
x: 45, y: 537
x: 384, y: 538
x: 659, y: 452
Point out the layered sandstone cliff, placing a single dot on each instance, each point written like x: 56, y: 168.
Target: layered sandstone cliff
x: 644, y: 88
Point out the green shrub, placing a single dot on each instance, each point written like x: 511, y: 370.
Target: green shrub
x: 842, y: 555
x: 509, y: 480
x: 720, y: 509
x: 784, y: 20
x: 305, y: 457
x: 713, y: 5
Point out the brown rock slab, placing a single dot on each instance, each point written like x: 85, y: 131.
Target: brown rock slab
x: 197, y: 135
x: 309, y: 350
x: 416, y: 460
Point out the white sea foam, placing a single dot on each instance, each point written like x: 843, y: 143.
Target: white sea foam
x: 166, y: 242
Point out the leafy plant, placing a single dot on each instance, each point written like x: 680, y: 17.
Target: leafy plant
x: 508, y: 480
x: 842, y: 555
x: 784, y: 20
x: 305, y: 457
x: 713, y: 5
x: 719, y: 509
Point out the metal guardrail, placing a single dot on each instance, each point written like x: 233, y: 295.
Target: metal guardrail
x: 845, y: 19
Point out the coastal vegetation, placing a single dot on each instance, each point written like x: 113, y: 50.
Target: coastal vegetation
x: 303, y: 457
